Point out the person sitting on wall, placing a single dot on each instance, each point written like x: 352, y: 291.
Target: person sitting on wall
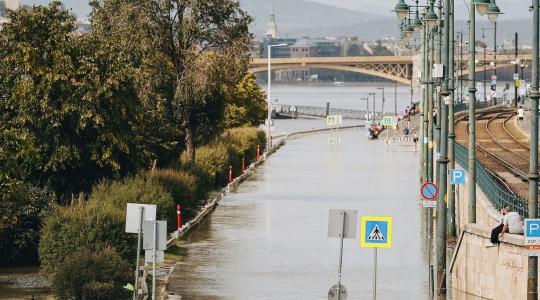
x: 511, y: 223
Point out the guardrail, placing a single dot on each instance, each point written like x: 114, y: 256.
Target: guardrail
x: 313, y: 111
x: 496, y: 193
x: 479, y: 105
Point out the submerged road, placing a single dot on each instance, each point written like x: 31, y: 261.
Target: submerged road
x: 268, y: 240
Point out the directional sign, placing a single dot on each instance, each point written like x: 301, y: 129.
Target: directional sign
x: 516, y: 76
x: 336, y: 226
x: 429, y: 191
x: 376, y: 232
x: 331, y: 120
x: 457, y: 176
x: 387, y: 120
x: 532, y: 237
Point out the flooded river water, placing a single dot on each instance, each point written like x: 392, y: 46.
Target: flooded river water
x: 268, y: 240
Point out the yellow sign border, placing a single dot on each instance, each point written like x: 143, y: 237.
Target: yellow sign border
x: 333, y: 123
x: 388, y: 243
x: 384, y: 117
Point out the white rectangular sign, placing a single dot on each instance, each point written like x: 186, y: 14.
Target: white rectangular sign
x: 335, y: 223
x: 133, y: 215
x: 149, y: 256
x: 148, y: 235
x: 532, y: 236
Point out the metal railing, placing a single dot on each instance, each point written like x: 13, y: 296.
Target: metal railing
x: 479, y: 105
x: 321, y: 111
x: 499, y: 195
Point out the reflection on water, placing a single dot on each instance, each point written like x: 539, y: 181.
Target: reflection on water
x: 23, y: 283
x: 268, y: 241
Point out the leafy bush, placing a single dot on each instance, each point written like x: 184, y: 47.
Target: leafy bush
x: 183, y: 188
x: 83, y: 226
x: 243, y: 141
x: 136, y: 189
x: 92, y: 274
x: 22, y: 209
x: 213, y: 159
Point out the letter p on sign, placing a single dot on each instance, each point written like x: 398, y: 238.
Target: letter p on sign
x: 457, y: 176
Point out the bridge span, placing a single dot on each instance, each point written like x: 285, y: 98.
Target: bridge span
x: 396, y: 68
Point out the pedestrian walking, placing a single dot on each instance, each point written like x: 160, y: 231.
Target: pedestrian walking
x: 521, y: 112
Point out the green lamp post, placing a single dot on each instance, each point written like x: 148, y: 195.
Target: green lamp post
x: 401, y: 9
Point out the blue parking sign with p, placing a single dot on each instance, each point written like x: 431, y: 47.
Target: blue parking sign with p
x: 457, y: 176
x: 532, y: 228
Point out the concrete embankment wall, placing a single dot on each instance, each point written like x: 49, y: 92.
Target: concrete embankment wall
x: 492, y: 273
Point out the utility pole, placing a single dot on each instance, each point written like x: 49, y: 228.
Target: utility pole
x: 451, y: 134
x: 532, y: 274
x: 443, y: 158
x: 515, y: 68
x: 485, y: 73
x: 471, y: 184
x: 461, y: 64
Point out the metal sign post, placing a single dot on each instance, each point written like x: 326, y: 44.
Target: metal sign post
x: 341, y: 224
x: 135, y: 215
x: 376, y: 232
x: 374, y: 273
x: 141, y: 215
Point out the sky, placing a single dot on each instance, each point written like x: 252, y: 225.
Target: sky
x: 513, y: 9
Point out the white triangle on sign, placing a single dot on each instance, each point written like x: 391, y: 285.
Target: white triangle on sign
x: 376, y: 234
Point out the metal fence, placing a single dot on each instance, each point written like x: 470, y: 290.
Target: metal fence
x: 499, y: 195
x: 479, y: 105
x: 321, y: 111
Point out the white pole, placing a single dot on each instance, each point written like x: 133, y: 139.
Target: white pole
x: 154, y: 260
x: 269, y: 137
x: 141, y: 216
x: 374, y: 273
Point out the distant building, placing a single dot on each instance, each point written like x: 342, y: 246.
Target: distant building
x: 302, y: 48
x: 271, y: 28
x: 277, y: 52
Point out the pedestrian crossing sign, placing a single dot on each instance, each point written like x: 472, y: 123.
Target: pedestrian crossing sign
x: 376, y: 232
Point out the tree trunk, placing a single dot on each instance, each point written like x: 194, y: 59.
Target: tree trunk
x: 190, y: 146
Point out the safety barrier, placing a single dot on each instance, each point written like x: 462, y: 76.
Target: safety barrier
x: 479, y: 105
x: 497, y: 194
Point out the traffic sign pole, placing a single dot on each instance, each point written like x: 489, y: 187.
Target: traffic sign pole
x: 374, y: 273
x: 341, y: 254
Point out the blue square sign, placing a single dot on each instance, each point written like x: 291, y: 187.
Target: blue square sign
x: 532, y: 228
x: 457, y: 176
x: 376, y: 232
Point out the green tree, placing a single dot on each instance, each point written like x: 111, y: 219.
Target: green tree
x: 246, y: 105
x: 69, y: 106
x: 201, y: 45
x: 22, y: 210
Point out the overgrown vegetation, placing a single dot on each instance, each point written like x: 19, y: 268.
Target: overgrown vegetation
x: 134, y: 111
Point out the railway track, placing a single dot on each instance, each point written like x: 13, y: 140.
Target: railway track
x: 501, y: 147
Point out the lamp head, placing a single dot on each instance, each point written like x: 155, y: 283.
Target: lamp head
x: 401, y: 9
x: 493, y: 12
x: 431, y: 18
x: 481, y: 5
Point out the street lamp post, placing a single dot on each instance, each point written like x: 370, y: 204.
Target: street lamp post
x: 367, y: 107
x: 532, y: 280
x: 382, y: 105
x: 373, y: 119
x: 269, y: 93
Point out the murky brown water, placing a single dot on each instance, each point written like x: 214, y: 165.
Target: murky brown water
x: 268, y: 241
x: 23, y: 283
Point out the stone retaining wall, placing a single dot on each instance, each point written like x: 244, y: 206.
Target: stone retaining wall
x: 498, y: 272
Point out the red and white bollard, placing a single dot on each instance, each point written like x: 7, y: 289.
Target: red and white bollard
x: 230, y: 173
x: 178, y: 217
x: 243, y: 165
x: 258, y: 151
